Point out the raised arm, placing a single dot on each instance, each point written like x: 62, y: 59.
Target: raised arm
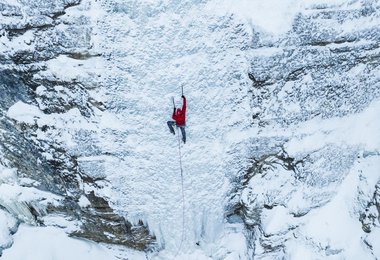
x: 184, y: 104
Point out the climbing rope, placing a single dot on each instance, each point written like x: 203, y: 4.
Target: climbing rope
x: 183, y: 194
x: 183, y: 199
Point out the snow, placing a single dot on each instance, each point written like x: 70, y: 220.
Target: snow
x: 69, y: 69
x: 84, y: 202
x: 8, y: 225
x: 358, y: 129
x: 32, y: 243
x: 7, y: 175
x: 24, y: 113
x: 31, y: 114
x: 17, y: 200
x: 373, y: 240
x: 334, y: 227
x: 277, y: 220
x: 274, y: 17
x: 22, y: 42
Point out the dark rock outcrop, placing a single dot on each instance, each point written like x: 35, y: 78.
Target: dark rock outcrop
x: 50, y: 36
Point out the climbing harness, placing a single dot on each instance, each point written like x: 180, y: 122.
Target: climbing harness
x: 183, y: 195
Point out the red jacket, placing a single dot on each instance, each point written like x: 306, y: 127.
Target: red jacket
x: 180, y: 115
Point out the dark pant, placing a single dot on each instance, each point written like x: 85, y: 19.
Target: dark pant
x: 182, y: 127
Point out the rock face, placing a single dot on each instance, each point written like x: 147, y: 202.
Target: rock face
x: 32, y: 33
x: 324, y: 68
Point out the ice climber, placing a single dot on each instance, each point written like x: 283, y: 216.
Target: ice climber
x: 179, y: 115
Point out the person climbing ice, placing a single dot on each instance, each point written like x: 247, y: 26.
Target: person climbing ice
x: 179, y: 117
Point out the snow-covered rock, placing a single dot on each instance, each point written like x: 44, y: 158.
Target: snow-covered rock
x: 309, y: 192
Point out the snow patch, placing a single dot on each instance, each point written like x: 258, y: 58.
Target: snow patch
x: 25, y: 113
x: 83, y: 202
x: 31, y: 114
x: 373, y: 240
x: 32, y: 243
x: 336, y: 227
x: 276, y: 220
x: 68, y: 69
x: 274, y: 17
x: 8, y: 225
x: 362, y: 129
